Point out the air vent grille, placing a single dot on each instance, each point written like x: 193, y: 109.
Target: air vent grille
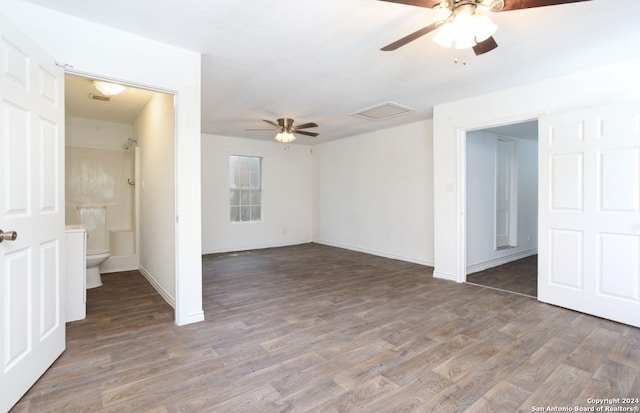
x: 99, y: 97
x: 383, y: 111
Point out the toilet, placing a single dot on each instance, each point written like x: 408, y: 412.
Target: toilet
x: 94, y: 259
x: 95, y: 223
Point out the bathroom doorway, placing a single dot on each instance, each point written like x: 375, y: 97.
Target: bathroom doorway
x: 112, y: 142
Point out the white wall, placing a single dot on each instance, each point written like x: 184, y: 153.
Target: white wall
x: 99, y: 51
x: 598, y: 85
x: 96, y: 134
x: 480, y: 196
x: 91, y: 138
x: 154, y: 129
x: 374, y: 192
x: 286, y: 195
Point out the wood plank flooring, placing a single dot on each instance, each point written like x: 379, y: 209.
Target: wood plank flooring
x: 312, y: 328
x: 520, y: 276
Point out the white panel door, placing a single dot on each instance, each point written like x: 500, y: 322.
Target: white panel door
x: 506, y: 191
x: 32, y: 319
x: 589, y: 246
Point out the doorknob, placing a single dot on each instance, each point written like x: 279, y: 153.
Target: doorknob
x: 8, y: 236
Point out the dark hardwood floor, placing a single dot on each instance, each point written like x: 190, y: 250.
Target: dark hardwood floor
x: 312, y: 328
x: 520, y: 276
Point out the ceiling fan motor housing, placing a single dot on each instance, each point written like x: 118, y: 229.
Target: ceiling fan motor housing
x: 493, y: 5
x: 286, y: 124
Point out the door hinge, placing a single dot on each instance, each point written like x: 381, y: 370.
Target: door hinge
x: 63, y: 65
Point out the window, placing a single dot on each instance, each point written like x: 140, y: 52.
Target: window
x: 245, y: 188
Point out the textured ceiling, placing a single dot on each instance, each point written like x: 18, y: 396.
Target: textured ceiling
x: 319, y: 61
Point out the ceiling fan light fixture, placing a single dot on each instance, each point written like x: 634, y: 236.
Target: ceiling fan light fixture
x: 465, y: 30
x: 445, y: 36
x: 483, y: 27
x: 453, y: 33
x: 285, y: 137
x: 107, y: 88
x: 465, y: 39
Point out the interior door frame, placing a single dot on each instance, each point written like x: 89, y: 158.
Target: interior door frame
x: 71, y: 71
x: 461, y: 134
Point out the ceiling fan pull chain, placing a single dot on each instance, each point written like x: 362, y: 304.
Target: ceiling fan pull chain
x: 464, y: 61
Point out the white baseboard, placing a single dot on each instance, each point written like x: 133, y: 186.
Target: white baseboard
x: 252, y: 247
x: 501, y: 260
x: 119, y: 263
x: 190, y: 319
x: 374, y: 252
x: 445, y: 276
x: 164, y: 293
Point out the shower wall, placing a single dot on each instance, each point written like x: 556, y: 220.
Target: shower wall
x: 98, y: 169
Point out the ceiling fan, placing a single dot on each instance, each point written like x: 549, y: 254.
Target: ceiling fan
x: 287, y: 130
x: 464, y: 27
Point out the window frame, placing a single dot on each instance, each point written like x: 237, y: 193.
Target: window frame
x: 245, y: 201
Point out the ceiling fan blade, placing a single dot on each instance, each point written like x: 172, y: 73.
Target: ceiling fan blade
x: 261, y: 129
x: 411, y: 37
x: 529, y: 4
x: 306, y: 125
x: 419, y: 3
x: 272, y: 123
x: 485, y: 46
x: 301, y: 132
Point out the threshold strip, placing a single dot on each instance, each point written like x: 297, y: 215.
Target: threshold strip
x: 500, y: 289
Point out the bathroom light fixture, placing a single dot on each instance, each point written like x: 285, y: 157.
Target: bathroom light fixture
x: 465, y: 28
x: 285, y: 137
x: 108, y: 89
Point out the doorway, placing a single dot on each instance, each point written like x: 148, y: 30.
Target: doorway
x: 120, y: 159
x: 501, y: 203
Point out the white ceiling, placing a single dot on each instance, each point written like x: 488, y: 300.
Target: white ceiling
x: 319, y: 61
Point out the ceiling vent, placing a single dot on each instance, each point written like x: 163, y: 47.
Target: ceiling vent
x: 383, y: 111
x: 99, y: 97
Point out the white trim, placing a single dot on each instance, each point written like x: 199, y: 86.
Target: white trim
x: 322, y: 242
x: 164, y: 293
x: 118, y: 263
x: 93, y: 76
x: 481, y: 266
x: 122, y: 266
x: 253, y: 247
x: 461, y: 267
x: 461, y: 275
x: 374, y: 252
x: 191, y: 318
x: 445, y: 276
